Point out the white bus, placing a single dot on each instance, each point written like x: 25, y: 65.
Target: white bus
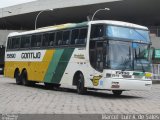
x: 103, y: 55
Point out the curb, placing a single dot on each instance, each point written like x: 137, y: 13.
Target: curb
x: 156, y: 81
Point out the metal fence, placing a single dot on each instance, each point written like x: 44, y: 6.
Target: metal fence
x: 155, y: 31
x: 156, y: 71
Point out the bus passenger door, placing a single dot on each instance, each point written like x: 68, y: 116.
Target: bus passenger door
x: 99, y: 56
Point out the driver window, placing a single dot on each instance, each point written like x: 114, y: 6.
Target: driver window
x: 99, y: 56
x: 97, y: 31
x: 96, y: 55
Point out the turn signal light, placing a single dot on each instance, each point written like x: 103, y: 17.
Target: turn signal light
x: 148, y: 75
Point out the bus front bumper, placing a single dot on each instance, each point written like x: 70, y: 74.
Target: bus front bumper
x: 125, y: 84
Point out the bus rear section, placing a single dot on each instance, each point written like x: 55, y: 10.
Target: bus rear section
x: 43, y: 56
x: 2, y: 54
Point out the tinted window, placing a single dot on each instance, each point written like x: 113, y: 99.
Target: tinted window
x: 66, y: 36
x: 82, y: 36
x: 15, y: 43
x: 97, y: 31
x: 45, y: 39
x: 36, y: 40
x: 25, y: 41
x: 51, y: 39
x: 74, y: 36
x: 127, y: 33
x: 59, y: 38
x: 9, y: 44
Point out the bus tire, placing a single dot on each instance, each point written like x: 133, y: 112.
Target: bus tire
x: 80, y: 85
x: 117, y: 92
x: 17, y: 77
x: 24, y: 78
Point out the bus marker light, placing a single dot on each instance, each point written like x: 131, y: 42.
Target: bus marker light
x: 148, y: 75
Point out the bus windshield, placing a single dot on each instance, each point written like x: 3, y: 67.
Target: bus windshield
x: 141, y: 57
x: 128, y: 56
x: 120, y: 55
x: 127, y: 33
x: 128, y: 49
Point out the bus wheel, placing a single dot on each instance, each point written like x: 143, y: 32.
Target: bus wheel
x: 17, y: 77
x: 24, y: 78
x: 117, y: 92
x: 80, y: 85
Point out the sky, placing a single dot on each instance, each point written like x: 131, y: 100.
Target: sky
x: 6, y: 3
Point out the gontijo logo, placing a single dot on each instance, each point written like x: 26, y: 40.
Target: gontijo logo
x: 31, y: 55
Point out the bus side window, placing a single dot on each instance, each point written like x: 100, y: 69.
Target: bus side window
x: 92, y: 54
x: 51, y: 39
x: 82, y: 36
x: 97, y: 31
x: 15, y: 43
x: 74, y: 36
x: 25, y: 42
x: 9, y: 44
x: 36, y: 40
x: 66, y: 37
x: 45, y: 40
x: 59, y: 38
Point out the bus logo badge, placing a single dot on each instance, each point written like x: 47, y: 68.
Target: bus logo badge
x: 95, y: 80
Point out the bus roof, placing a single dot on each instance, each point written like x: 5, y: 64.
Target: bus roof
x: 119, y: 23
x: 75, y: 25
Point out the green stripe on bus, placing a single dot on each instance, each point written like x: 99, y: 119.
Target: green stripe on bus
x: 61, y: 67
x: 53, y: 65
